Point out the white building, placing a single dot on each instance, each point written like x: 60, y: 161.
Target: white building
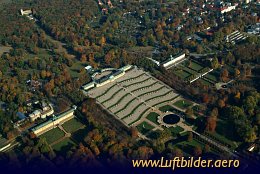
x: 227, y: 9
x: 107, y: 78
x: 174, y: 60
x: 25, y: 12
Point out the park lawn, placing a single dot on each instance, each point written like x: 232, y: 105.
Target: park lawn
x: 211, y: 77
x: 53, y: 135
x: 224, y: 135
x: 42, y: 54
x: 64, y: 145
x: 72, y: 125
x: 223, y: 140
x: 80, y: 134
x: 191, y: 71
x: 166, y: 108
x: 175, y: 130
x: 195, y: 66
x: 144, y: 127
x: 153, y: 117
x: 75, y: 68
x: 183, y: 104
x: 182, y: 74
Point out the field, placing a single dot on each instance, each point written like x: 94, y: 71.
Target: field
x: 182, y: 74
x: 211, y: 76
x: 166, y: 108
x: 176, y: 130
x: 195, y: 66
x: 153, y: 117
x: 144, y: 127
x: 53, y: 135
x: 183, y: 104
x: 75, y: 69
x: 190, y: 69
x: 72, y: 125
x: 64, y: 145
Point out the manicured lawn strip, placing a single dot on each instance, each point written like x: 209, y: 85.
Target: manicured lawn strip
x: 211, y: 77
x: 165, y: 108
x: 53, y: 135
x: 144, y: 127
x: 183, y: 104
x: 72, y: 125
x: 166, y: 101
x: 153, y: 117
x: 182, y: 73
x: 64, y: 145
x: 195, y: 66
x: 158, y: 96
x: 191, y: 71
x: 176, y: 130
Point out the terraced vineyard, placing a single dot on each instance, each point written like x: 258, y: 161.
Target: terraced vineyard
x: 131, y: 96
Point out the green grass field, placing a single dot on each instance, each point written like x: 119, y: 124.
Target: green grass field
x: 211, y: 76
x: 144, y: 127
x: 75, y: 68
x: 64, y: 145
x: 72, y: 125
x: 176, y: 130
x: 153, y: 117
x: 53, y: 135
x: 195, y: 66
x: 166, y: 108
x: 191, y: 71
x: 182, y: 74
x: 224, y: 135
x: 183, y: 104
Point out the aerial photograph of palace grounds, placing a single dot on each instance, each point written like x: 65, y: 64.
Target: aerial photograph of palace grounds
x: 129, y: 85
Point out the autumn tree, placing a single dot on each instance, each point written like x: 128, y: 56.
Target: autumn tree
x: 197, y: 151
